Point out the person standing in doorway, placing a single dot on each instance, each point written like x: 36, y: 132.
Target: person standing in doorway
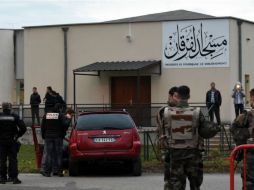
x: 213, y: 103
x: 238, y: 96
x: 35, y: 101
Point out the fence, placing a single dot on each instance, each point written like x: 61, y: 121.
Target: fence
x: 144, y: 116
x: 232, y: 157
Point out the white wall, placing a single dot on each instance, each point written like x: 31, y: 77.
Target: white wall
x: 44, y: 55
x: 19, y: 54
x: 248, y: 52
x: 7, y: 76
x: 44, y: 61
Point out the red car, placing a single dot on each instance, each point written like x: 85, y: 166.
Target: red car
x: 105, y: 135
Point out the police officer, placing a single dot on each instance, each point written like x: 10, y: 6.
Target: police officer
x: 11, y: 128
x: 161, y: 131
x: 243, y: 132
x: 54, y: 126
x: 182, y: 125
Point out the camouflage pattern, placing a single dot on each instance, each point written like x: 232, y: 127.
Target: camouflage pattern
x: 182, y: 126
x: 162, y: 145
x: 251, y: 123
x: 243, y: 132
x: 185, y: 164
x: 250, y: 171
x: 167, y: 166
x: 240, y: 129
x: 250, y: 153
x: 161, y: 133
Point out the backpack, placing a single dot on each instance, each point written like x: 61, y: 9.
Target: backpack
x: 240, y: 132
x: 182, y: 126
x: 240, y: 129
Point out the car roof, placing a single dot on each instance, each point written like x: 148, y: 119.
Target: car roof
x: 103, y: 112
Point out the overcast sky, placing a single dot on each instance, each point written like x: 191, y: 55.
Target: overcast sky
x: 18, y: 13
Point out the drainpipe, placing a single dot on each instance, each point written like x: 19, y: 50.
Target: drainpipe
x: 65, y: 31
x: 239, y: 24
x: 74, y: 95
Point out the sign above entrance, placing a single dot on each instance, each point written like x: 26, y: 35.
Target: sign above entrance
x: 195, y: 44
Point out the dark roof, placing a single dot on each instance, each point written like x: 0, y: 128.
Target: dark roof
x: 118, y: 66
x: 165, y: 16
x: 157, y: 17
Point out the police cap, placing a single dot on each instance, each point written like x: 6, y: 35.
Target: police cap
x: 209, y: 130
x: 6, y: 106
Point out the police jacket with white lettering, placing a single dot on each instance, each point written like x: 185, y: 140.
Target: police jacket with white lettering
x: 54, y: 125
x: 11, y: 128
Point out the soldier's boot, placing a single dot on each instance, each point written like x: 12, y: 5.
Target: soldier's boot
x: 16, y: 181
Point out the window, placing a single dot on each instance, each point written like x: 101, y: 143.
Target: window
x: 104, y: 121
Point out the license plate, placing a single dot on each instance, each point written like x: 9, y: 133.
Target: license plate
x: 101, y: 140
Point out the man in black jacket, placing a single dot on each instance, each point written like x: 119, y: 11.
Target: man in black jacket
x: 213, y: 103
x: 11, y: 128
x: 53, y: 129
x: 35, y: 100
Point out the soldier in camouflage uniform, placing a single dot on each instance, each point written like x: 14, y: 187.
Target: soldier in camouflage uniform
x: 182, y: 125
x: 161, y: 132
x: 243, y: 132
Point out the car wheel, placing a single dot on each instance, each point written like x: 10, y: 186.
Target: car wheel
x: 137, y: 167
x: 73, y: 168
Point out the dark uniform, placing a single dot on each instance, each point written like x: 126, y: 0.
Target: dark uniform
x: 11, y: 128
x: 53, y: 128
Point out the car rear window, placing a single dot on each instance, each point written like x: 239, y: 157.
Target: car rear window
x: 104, y: 121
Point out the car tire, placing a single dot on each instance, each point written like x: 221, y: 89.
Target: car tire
x: 73, y: 168
x: 136, y: 167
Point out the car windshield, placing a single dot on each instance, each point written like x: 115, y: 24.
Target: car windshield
x: 104, y: 121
